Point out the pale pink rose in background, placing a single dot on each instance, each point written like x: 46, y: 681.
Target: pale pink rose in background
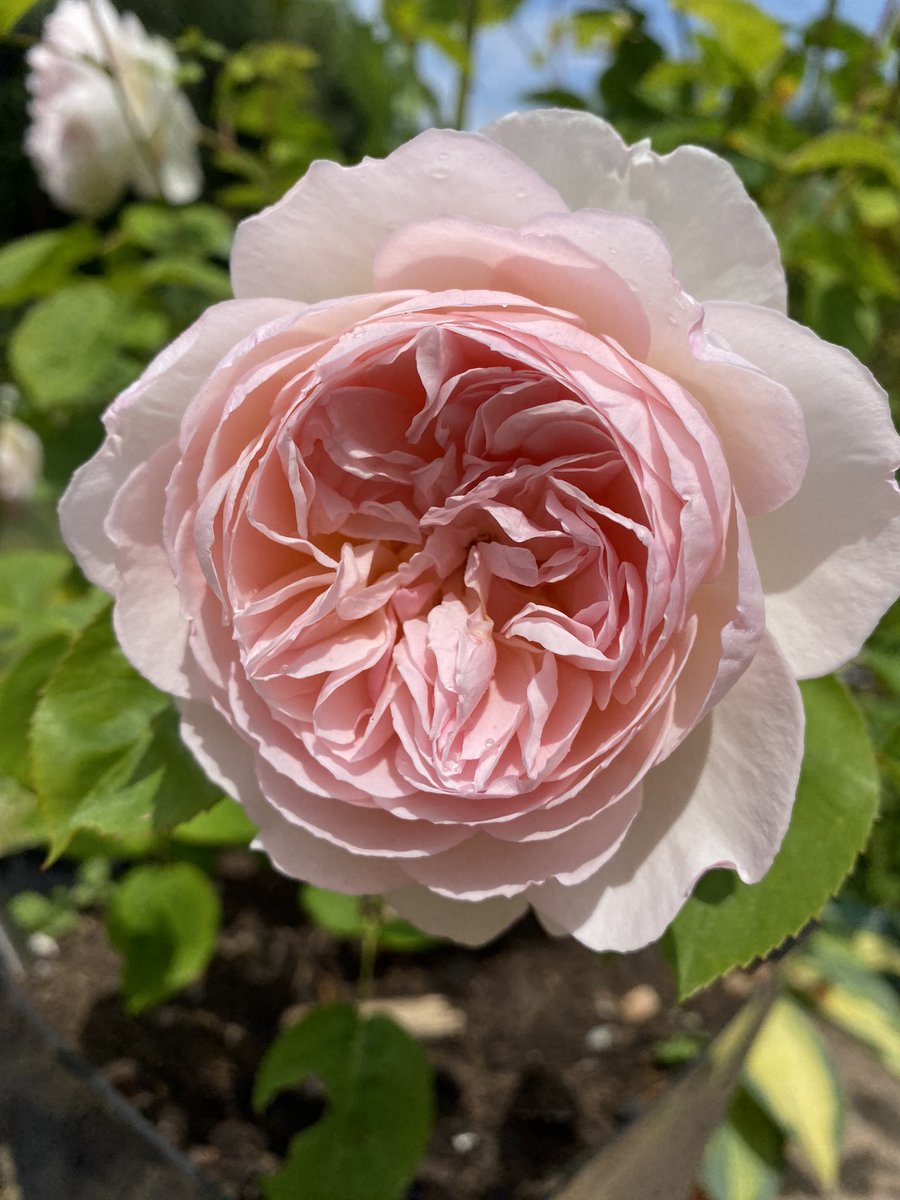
x: 107, y: 113
x: 483, y: 537
x: 21, y: 461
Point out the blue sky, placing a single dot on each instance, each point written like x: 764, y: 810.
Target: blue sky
x: 504, y: 69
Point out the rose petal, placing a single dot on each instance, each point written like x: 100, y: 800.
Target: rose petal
x: 830, y: 558
x: 340, y: 216
x: 468, y: 922
x: 144, y: 418
x: 294, y: 851
x: 724, y: 798
x: 693, y: 196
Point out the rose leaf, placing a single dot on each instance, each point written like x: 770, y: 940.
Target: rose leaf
x: 163, y: 920
x: 105, y: 750
x: 380, y: 1099
x: 744, y: 1157
x: 726, y: 922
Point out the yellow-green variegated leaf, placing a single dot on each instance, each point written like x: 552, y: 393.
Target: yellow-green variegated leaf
x: 743, y: 1159
x: 789, y: 1071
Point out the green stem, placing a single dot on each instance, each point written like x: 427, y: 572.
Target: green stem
x: 815, y: 91
x: 373, y: 916
x: 464, y: 83
x: 881, y: 37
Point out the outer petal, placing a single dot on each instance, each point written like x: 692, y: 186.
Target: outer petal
x: 724, y: 798
x: 473, y: 924
x: 722, y: 246
x: 482, y: 868
x: 143, y: 419
x: 336, y: 218
x: 148, y: 619
x: 228, y: 761
x: 830, y: 558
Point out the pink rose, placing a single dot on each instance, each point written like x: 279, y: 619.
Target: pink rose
x: 480, y: 555
x: 107, y: 113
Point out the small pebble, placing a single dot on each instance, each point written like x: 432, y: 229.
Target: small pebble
x: 429, y: 1017
x: 464, y: 1143
x: 165, y: 1016
x: 204, y: 1156
x: 739, y: 983
x: 600, y: 1038
x: 605, y: 1008
x: 232, y: 1033
x: 640, y: 1004
x: 42, y: 945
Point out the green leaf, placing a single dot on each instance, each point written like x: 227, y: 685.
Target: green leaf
x: 196, y: 231
x: 678, y: 1049
x: 744, y: 1157
x: 35, y: 913
x: 41, y: 263
x: 19, y: 817
x: 206, y: 278
x: 847, y: 148
x: 878, y: 207
x: 66, y: 352
x: 338, y: 914
x: 39, y: 596
x: 105, y: 748
x: 834, y: 979
x: 344, y: 917
x: 225, y: 824
x: 20, y: 689
x: 590, y: 28
x: 749, y: 37
x: 142, y: 330
x: 400, y: 937
x: 379, y: 1113
x: 870, y: 1014
x: 164, y: 920
x: 726, y: 922
x: 790, y: 1073
x: 12, y: 12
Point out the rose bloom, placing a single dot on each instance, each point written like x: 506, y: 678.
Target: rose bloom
x: 483, y: 537
x: 106, y: 112
x: 21, y: 461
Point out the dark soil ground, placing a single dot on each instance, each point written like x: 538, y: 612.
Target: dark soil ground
x: 555, y: 1052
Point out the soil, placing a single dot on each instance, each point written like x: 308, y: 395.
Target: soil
x: 557, y: 1053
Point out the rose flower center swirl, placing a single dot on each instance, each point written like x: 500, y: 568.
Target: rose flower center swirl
x: 460, y: 559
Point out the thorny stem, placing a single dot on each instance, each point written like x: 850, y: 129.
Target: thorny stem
x: 464, y: 83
